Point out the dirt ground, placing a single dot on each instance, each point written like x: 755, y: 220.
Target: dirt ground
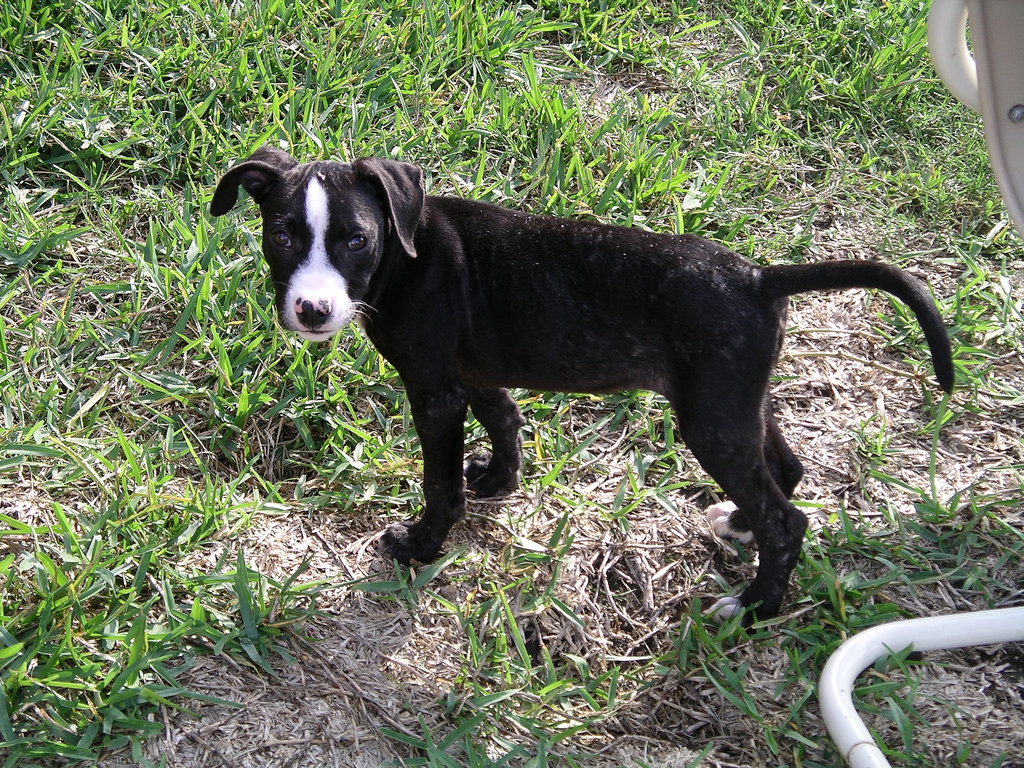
x: 377, y: 664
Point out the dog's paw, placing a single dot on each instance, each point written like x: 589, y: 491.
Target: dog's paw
x: 486, y: 481
x: 401, y: 543
x: 725, y: 609
x: 720, y: 518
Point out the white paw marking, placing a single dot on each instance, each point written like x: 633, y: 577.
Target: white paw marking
x: 718, y: 517
x: 725, y: 609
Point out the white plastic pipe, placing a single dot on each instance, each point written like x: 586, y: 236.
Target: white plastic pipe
x: 947, y: 45
x: 835, y: 689
x: 991, y: 82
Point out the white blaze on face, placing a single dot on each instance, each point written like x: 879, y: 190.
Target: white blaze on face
x: 316, y: 285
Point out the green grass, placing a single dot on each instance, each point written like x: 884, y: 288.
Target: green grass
x: 151, y: 414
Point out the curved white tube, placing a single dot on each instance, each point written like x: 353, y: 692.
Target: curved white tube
x: 947, y: 44
x: 835, y: 688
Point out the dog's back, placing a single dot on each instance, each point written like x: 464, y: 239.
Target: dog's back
x: 581, y: 306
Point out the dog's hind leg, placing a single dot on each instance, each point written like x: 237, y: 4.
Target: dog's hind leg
x: 782, y: 462
x: 725, y: 518
x: 728, y: 440
x: 439, y: 415
x: 497, y: 472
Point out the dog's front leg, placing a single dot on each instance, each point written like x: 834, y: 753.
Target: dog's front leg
x: 439, y: 416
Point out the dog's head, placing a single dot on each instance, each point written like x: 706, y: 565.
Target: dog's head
x: 326, y: 228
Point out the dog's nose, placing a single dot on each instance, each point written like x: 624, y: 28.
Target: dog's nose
x: 312, y: 315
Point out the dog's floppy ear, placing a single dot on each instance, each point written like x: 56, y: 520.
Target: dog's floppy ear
x: 402, y: 185
x: 258, y: 175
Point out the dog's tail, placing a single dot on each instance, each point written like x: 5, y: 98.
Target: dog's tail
x: 788, y: 280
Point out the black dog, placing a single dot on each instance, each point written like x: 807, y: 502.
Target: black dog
x: 466, y: 298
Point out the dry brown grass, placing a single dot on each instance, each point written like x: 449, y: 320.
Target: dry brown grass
x: 369, y: 663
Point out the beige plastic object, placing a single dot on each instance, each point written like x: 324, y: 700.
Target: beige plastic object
x: 992, y: 82
x: 932, y: 633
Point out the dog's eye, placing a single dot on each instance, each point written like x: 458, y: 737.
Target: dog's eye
x: 356, y: 243
x: 281, y: 238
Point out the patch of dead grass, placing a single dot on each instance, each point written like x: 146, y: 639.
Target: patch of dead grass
x: 371, y: 664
